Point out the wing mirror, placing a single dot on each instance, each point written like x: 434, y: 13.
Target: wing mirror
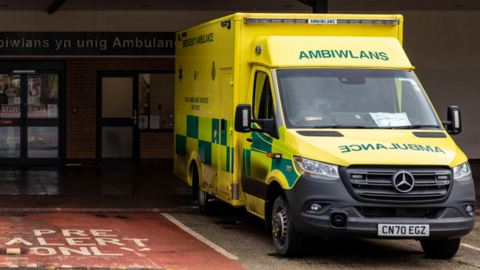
x: 243, y: 122
x: 243, y: 118
x: 453, y: 125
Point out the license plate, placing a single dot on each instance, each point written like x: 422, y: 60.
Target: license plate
x: 403, y: 230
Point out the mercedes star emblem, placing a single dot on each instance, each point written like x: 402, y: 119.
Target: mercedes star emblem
x: 403, y: 181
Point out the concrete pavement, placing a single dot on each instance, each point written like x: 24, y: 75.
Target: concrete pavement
x: 243, y: 235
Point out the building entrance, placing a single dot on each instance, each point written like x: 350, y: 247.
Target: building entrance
x: 30, y: 118
x: 133, y: 110
x: 118, y: 137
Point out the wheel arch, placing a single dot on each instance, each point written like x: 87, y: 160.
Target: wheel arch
x: 274, y: 190
x: 194, y: 179
x: 194, y: 162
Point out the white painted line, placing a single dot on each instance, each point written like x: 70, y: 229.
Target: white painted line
x: 199, y: 237
x: 13, y: 251
x: 469, y: 246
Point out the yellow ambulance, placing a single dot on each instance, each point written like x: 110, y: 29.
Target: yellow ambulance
x: 317, y: 124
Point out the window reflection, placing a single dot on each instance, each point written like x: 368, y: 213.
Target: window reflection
x: 42, y: 142
x: 43, y: 96
x: 9, y: 142
x: 10, y: 96
x: 156, y: 101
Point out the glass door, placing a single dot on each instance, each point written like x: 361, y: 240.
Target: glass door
x: 117, y: 140
x: 42, y: 124
x: 11, y: 118
x: 29, y: 118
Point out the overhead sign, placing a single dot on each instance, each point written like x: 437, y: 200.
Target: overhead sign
x: 87, y: 43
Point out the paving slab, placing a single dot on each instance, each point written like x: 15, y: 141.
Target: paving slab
x: 78, y: 240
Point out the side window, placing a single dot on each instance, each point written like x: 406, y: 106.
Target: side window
x: 262, y: 97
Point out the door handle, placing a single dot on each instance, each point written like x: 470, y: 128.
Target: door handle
x: 249, y: 140
x: 134, y: 118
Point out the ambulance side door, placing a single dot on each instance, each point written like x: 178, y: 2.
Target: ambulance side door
x: 225, y: 154
x: 257, y: 165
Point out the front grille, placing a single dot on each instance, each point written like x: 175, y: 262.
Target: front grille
x: 408, y: 212
x: 375, y: 183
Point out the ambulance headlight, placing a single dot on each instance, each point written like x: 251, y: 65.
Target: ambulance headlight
x: 315, y: 169
x: 462, y: 172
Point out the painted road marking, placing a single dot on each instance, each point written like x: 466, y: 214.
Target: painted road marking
x: 149, y: 241
x: 469, y: 246
x: 102, y: 238
x: 199, y: 237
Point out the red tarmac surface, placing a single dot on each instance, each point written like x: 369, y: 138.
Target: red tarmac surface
x: 103, y: 240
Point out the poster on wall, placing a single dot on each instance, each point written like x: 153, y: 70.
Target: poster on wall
x: 1, y: 84
x: 155, y: 122
x: 10, y: 111
x: 53, y: 86
x: 143, y: 122
x: 37, y: 111
x: 52, y: 111
x: 34, y: 87
x: 12, y: 92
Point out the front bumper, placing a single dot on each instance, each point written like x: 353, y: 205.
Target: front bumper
x: 449, y: 221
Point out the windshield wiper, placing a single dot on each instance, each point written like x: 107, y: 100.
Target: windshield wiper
x: 412, y: 127
x: 343, y: 126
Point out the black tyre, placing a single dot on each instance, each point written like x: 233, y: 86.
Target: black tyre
x: 205, y: 202
x: 440, y: 249
x: 195, y: 181
x: 287, y: 240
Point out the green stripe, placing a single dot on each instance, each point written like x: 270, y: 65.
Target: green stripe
x: 205, y: 151
x: 181, y: 145
x: 192, y: 126
x: 281, y: 165
x: 228, y: 159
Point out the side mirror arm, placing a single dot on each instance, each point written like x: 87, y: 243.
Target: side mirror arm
x: 446, y: 123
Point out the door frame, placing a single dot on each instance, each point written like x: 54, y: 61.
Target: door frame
x: 135, y: 133
x: 42, y: 67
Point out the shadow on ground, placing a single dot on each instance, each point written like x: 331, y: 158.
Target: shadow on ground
x: 119, y: 186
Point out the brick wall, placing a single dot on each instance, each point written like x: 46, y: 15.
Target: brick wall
x: 154, y: 147
x: 81, y: 82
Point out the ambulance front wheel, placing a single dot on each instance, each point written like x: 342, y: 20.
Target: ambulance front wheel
x: 440, y: 249
x: 287, y: 240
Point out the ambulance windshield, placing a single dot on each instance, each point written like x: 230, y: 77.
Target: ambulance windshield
x: 354, y: 98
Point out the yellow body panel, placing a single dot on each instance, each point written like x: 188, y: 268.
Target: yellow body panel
x: 215, y: 65
x: 293, y: 51
x: 380, y: 147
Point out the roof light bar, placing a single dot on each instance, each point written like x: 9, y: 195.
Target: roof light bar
x: 320, y: 21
